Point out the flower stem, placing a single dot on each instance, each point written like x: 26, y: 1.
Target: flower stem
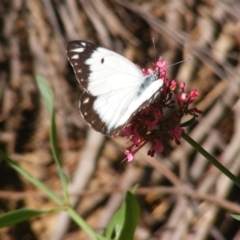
x: 211, y: 159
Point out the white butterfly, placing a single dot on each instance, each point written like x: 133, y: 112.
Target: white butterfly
x: 115, y: 89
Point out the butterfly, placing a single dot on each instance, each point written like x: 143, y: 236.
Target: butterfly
x: 114, y: 88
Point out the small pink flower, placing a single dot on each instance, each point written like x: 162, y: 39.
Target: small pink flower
x: 173, y: 85
x: 126, y: 132
x: 136, y: 139
x: 158, y: 145
x: 129, y: 155
x: 150, y: 71
x: 161, y: 64
x: 182, y: 99
x: 157, y: 114
x: 182, y: 86
x: 193, y: 94
x: 176, y: 133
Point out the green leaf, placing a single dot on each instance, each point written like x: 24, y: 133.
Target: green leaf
x: 237, y: 217
x: 83, y: 225
x: 54, y: 148
x: 111, y: 229
x: 19, y: 215
x: 48, y: 98
x: 124, y: 222
x: 134, y: 188
x: 46, y: 92
x: 30, y: 178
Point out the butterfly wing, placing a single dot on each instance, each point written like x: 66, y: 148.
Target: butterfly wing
x: 111, y: 85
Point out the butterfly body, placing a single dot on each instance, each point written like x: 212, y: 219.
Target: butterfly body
x: 114, y: 88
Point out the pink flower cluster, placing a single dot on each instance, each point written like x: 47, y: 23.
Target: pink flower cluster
x: 160, y: 121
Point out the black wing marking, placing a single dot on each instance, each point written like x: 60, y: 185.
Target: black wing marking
x: 78, y: 52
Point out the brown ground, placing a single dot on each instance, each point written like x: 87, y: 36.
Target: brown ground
x: 182, y: 196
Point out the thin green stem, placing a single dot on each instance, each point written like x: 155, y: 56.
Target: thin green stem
x: 211, y: 159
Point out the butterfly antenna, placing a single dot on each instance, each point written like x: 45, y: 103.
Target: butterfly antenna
x: 154, y: 47
x: 185, y: 60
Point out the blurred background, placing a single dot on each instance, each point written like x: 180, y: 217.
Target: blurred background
x: 181, y: 195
